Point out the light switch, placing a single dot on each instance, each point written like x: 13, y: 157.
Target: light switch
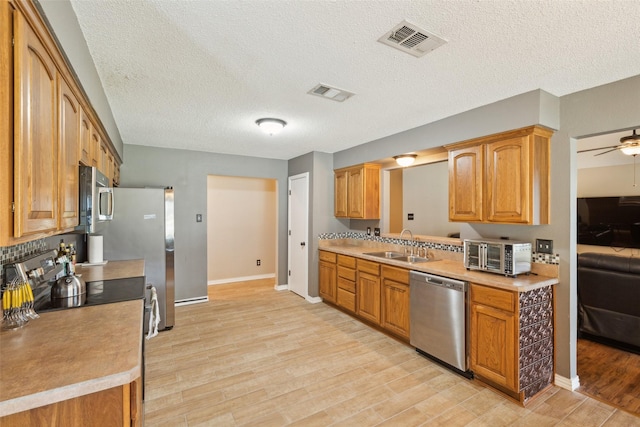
x: 198, y: 217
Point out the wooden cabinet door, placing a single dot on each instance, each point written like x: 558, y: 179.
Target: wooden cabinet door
x: 95, y: 147
x: 340, y: 194
x: 69, y: 147
x: 116, y: 174
x: 35, y: 138
x: 86, y: 156
x: 466, y: 184
x: 103, y: 158
x: 327, y: 278
x: 368, y: 297
x: 109, y: 172
x: 508, y: 192
x: 395, y: 307
x: 355, y: 193
x: 493, y: 345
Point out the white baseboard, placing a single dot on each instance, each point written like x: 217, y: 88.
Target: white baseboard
x: 240, y: 279
x: 567, y: 383
x: 284, y: 287
x: 313, y: 300
x: 190, y: 301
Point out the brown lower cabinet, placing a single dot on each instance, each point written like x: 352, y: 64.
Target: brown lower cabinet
x: 327, y: 276
x: 395, y: 300
x: 510, y: 333
x: 493, y: 322
x: 374, y: 292
x: 346, y: 296
x: 368, y: 291
x: 511, y: 339
x: 117, y: 406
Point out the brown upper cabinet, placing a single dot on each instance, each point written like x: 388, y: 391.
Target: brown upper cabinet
x: 47, y: 128
x: 501, y: 178
x: 357, y: 192
x: 35, y: 144
x: 69, y: 143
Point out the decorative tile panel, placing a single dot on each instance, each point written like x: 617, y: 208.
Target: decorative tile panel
x: 536, y: 340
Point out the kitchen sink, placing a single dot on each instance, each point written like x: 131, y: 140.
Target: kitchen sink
x: 387, y: 254
x: 411, y: 259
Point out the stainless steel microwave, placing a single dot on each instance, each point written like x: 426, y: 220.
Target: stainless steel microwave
x: 96, y: 199
x: 506, y: 257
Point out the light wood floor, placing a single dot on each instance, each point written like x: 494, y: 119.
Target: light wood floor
x: 255, y: 356
x: 609, y: 374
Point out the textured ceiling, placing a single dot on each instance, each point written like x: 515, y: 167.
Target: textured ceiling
x: 197, y: 74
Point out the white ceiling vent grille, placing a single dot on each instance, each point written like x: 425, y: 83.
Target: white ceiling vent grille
x: 329, y: 92
x: 411, y: 39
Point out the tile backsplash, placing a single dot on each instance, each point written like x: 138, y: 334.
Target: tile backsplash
x: 10, y: 254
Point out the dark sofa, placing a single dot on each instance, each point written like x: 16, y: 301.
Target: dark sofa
x: 609, y: 299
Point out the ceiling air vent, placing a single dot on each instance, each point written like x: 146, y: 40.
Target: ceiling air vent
x: 330, y: 93
x: 411, y: 39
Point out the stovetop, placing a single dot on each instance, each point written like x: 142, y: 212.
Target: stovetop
x: 98, y: 292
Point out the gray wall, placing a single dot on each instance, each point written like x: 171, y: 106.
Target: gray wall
x: 535, y: 107
x: 64, y: 23
x: 186, y: 171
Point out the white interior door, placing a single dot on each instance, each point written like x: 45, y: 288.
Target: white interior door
x: 298, y: 234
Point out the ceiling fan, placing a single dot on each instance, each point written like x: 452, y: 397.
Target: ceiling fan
x: 629, y: 145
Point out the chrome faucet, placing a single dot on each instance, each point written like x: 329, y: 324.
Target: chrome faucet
x: 410, y: 234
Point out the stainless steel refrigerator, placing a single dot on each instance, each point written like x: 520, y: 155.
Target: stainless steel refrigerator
x: 143, y: 227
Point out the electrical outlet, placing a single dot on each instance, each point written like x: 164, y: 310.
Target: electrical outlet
x: 258, y: 263
x: 544, y: 246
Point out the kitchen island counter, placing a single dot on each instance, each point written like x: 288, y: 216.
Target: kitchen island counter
x: 442, y: 267
x: 70, y: 353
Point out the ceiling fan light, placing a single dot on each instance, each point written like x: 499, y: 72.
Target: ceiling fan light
x: 405, y: 160
x: 271, y: 126
x: 631, y: 150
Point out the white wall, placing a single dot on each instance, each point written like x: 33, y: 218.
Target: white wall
x: 425, y: 191
x: 610, y: 181
x: 241, y: 228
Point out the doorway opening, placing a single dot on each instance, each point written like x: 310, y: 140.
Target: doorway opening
x: 241, y: 228
x: 606, y: 373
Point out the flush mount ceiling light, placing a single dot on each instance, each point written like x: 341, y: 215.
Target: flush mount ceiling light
x: 631, y: 144
x: 405, y: 160
x: 271, y: 126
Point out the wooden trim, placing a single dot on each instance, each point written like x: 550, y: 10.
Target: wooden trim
x: 516, y: 133
x: 6, y: 120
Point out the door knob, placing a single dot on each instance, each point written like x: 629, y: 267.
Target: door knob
x: 302, y: 244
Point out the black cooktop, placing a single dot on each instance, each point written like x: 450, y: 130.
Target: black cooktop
x: 98, y: 292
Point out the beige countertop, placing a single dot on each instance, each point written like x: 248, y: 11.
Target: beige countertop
x: 69, y: 353
x: 442, y: 267
x: 111, y: 270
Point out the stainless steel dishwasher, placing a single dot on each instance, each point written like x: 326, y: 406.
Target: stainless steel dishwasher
x: 439, y: 319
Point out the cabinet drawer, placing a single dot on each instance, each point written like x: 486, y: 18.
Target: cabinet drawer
x: 328, y: 256
x: 369, y: 267
x: 347, y: 300
x: 347, y: 285
x: 400, y: 275
x: 347, y: 261
x: 346, y: 273
x: 497, y: 298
